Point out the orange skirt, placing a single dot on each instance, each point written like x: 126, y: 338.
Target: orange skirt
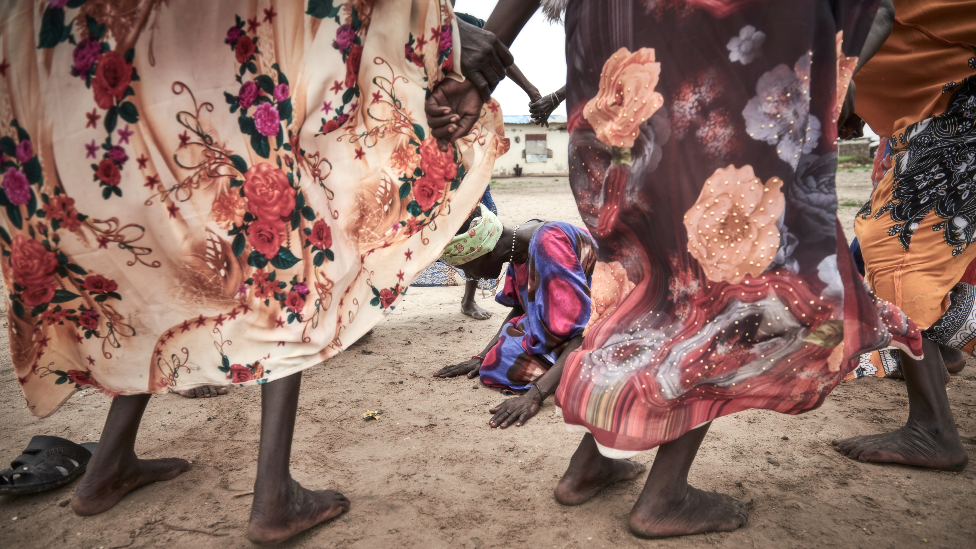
x: 915, y: 232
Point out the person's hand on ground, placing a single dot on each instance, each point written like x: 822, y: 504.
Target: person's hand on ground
x: 203, y: 391
x: 469, y: 367
x: 452, y: 110
x: 515, y: 411
x: 483, y: 58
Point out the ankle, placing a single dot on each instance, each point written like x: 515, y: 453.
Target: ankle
x: 933, y: 427
x: 277, y: 491
x: 666, y: 495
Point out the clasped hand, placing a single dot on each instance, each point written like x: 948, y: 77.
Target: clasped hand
x: 454, y: 107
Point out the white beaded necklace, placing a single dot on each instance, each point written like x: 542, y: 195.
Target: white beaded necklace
x: 511, y: 258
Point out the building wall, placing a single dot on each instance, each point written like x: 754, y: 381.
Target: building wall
x: 859, y: 148
x: 557, y: 142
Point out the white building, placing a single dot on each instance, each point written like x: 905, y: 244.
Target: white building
x: 536, y: 149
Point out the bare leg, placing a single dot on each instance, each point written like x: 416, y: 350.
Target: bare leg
x: 468, y: 305
x: 953, y: 359
x: 929, y: 438
x: 204, y: 391
x: 668, y: 506
x: 898, y: 373
x: 114, y: 470
x: 590, y: 471
x: 281, y: 507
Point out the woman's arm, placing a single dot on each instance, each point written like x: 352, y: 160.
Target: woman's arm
x: 884, y: 19
x: 509, y: 17
x: 472, y: 365
x: 520, y: 409
x: 483, y: 58
x: 516, y: 75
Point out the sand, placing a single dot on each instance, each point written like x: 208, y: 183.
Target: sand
x: 431, y: 474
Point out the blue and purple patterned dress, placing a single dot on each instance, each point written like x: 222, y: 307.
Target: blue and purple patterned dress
x: 553, y: 288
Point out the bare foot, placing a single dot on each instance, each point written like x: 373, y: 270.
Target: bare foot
x: 579, y: 485
x: 953, y: 359
x: 691, y: 512
x: 473, y: 310
x: 101, y: 489
x: 204, y: 391
x: 910, y: 445
x: 293, y: 510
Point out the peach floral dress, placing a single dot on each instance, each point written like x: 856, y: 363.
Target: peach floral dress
x: 218, y: 192
x: 702, y: 157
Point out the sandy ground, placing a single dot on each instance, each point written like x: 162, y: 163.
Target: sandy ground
x: 431, y: 474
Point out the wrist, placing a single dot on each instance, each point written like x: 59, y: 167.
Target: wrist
x: 540, y: 396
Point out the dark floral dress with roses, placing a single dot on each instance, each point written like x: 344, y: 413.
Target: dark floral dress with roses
x: 212, y: 193
x: 702, y: 158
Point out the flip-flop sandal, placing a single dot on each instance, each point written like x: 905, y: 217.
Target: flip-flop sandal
x: 47, y: 463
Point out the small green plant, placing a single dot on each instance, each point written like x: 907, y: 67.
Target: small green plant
x: 848, y: 203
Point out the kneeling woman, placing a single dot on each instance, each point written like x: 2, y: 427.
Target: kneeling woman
x: 548, y: 288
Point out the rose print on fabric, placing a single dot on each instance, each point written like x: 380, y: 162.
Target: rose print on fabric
x: 264, y: 104
x: 732, y: 227
x: 779, y: 114
x: 627, y: 97
x: 109, y: 74
x: 353, y: 19
x: 435, y: 172
x: 609, y: 288
x: 443, y: 37
x: 19, y: 169
x: 745, y: 47
x: 384, y: 298
x: 813, y: 198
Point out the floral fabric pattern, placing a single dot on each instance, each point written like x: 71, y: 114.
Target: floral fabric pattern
x: 724, y: 281
x: 746, y: 46
x: 780, y: 112
x: 261, y: 189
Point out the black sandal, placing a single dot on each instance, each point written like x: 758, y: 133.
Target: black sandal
x: 47, y: 462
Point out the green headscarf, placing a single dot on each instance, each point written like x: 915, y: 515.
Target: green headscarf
x: 477, y: 241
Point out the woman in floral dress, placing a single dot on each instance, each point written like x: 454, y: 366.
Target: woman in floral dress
x: 215, y: 193
x: 702, y: 158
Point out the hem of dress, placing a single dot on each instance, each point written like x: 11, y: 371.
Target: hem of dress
x: 606, y: 451
x: 901, y: 347
x: 173, y: 388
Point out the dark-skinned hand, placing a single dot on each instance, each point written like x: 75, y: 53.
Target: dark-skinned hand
x: 469, y: 367
x: 541, y: 108
x: 483, y: 58
x: 516, y: 410
x: 452, y: 110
